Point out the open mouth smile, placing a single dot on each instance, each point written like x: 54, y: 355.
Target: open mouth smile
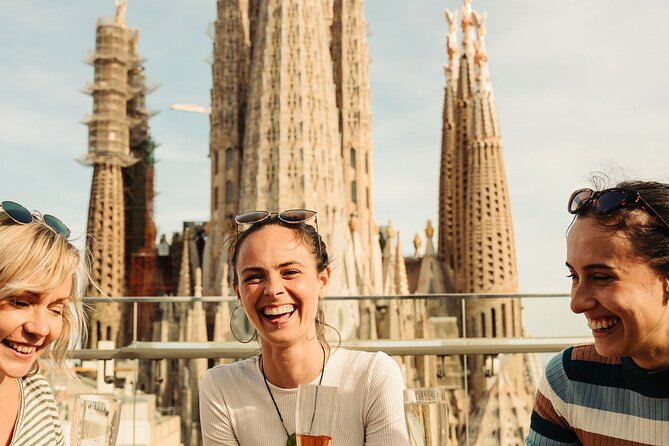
x: 603, y: 325
x: 278, y: 314
x: 20, y: 348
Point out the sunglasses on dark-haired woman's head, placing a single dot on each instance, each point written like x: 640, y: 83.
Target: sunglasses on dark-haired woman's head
x: 290, y: 216
x: 22, y: 216
x: 610, y: 201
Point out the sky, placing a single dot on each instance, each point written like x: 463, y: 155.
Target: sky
x: 580, y: 87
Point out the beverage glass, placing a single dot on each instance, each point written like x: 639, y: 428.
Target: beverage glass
x: 95, y: 420
x: 426, y: 412
x: 314, y: 415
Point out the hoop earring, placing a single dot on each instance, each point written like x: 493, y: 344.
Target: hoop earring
x: 232, y: 328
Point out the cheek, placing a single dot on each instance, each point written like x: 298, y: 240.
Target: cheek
x: 55, y: 328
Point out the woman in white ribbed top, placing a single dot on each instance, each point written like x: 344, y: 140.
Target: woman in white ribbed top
x: 280, y: 273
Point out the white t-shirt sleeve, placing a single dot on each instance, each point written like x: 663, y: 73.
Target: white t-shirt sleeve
x: 214, y: 416
x: 385, y: 425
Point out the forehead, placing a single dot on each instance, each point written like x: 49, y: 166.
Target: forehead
x: 274, y: 243
x: 589, y: 241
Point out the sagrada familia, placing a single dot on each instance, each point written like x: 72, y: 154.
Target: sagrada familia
x: 291, y: 128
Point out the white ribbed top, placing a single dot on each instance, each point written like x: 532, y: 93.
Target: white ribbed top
x: 236, y: 409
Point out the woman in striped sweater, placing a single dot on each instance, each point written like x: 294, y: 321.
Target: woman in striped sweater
x: 615, y: 392
x: 40, y: 311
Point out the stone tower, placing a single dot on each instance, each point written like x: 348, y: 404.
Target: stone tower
x: 476, y: 244
x: 109, y: 152
x: 282, y: 135
x: 140, y: 228
x: 230, y: 71
x: 292, y: 143
x: 350, y: 59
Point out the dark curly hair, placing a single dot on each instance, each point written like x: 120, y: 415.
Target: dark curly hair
x: 649, y: 237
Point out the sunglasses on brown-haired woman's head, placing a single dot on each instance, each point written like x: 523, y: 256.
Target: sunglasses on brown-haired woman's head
x: 610, y: 201
x: 290, y: 216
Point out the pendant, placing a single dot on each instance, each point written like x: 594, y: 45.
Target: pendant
x: 292, y: 440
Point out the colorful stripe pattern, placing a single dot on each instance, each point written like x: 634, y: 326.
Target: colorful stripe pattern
x: 587, y: 399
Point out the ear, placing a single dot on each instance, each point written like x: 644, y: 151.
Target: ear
x: 324, y: 277
x: 665, y: 287
x: 235, y: 288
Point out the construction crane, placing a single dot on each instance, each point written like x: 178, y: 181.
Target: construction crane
x: 192, y: 108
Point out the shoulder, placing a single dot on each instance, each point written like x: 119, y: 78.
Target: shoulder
x: 39, y: 413
x: 370, y: 366
x: 36, y: 387
x: 367, y: 360
x: 225, y: 374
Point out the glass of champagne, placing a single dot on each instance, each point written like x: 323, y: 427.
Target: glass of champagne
x: 315, y: 413
x: 426, y: 411
x: 95, y: 420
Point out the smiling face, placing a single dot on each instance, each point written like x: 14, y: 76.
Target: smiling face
x: 624, y: 300
x: 29, y: 323
x: 279, y: 285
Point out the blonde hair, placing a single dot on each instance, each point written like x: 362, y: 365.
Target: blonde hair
x: 34, y: 258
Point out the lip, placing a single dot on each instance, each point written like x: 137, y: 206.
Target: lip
x: 277, y: 320
x: 32, y: 348
x: 610, y: 329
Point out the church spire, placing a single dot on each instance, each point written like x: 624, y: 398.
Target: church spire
x: 230, y: 68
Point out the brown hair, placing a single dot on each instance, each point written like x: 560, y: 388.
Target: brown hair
x: 649, y: 237
x: 307, y: 235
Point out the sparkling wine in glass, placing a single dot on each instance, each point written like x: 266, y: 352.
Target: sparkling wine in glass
x: 426, y: 412
x: 315, y: 413
x: 95, y: 420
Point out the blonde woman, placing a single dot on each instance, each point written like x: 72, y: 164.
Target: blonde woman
x: 41, y: 312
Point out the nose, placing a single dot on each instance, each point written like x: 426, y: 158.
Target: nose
x: 38, y: 324
x: 274, y: 286
x: 581, y: 300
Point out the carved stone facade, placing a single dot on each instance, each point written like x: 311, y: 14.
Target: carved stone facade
x: 291, y: 129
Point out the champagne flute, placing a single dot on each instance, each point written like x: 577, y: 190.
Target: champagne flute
x: 314, y: 415
x: 95, y: 420
x: 426, y: 412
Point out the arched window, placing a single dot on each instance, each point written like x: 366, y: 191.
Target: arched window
x: 215, y: 162
x: 228, y: 157
x: 228, y: 192
x: 352, y: 157
x: 494, y: 323
x: 354, y: 192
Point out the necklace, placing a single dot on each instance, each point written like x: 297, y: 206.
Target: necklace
x: 291, y: 438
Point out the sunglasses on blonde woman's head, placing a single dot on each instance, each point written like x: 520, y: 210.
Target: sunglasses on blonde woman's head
x: 290, y: 216
x: 22, y: 216
x: 610, y: 201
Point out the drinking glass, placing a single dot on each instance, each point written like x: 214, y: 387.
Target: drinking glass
x: 95, y: 420
x: 426, y: 411
x: 315, y: 413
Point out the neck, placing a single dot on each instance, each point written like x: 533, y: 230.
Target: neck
x: 293, y: 365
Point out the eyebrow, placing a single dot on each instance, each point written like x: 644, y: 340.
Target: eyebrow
x: 593, y: 266
x: 280, y: 265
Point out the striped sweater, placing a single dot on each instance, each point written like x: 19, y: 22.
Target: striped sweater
x: 587, y: 399
x: 37, y: 423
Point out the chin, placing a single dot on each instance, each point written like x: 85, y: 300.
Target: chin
x: 609, y: 351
